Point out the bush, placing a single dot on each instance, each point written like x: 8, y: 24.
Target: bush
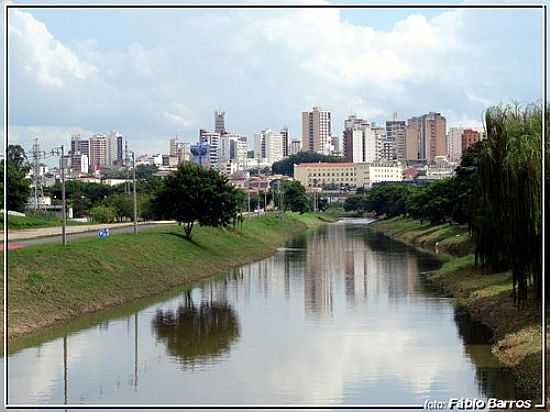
x: 102, y: 214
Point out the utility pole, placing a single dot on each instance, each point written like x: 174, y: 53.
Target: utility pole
x: 61, y: 151
x: 248, y: 191
x: 63, y: 196
x: 265, y: 200
x: 135, y: 197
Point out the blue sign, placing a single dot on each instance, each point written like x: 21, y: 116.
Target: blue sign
x: 103, y: 234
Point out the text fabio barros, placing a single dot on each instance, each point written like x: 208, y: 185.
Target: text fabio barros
x: 477, y: 404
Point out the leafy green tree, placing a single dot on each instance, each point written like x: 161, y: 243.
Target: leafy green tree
x: 145, y: 171
x: 355, y: 203
x: 16, y: 157
x: 103, y: 214
x: 286, y: 166
x: 19, y: 188
x: 295, y: 198
x: 195, y: 194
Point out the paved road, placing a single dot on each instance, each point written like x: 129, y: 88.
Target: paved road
x: 19, y: 243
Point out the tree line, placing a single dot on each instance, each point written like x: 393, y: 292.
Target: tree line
x: 496, y: 192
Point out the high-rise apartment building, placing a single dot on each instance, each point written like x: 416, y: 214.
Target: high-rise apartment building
x: 469, y: 138
x: 268, y: 146
x: 454, y: 144
x: 284, y: 133
x: 428, y: 133
x: 98, y: 152
x: 359, y: 140
x: 316, y: 131
x: 219, y: 122
x: 396, y: 131
x: 233, y: 148
x: 121, y: 154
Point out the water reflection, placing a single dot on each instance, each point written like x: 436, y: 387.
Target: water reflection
x: 197, y: 334
x: 337, y: 316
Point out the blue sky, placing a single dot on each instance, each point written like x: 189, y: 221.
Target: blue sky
x: 154, y: 74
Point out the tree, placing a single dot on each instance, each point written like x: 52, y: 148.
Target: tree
x: 19, y: 188
x: 286, y: 166
x: 18, y: 158
x: 103, y: 214
x: 194, y: 194
x: 295, y: 197
x: 507, y: 222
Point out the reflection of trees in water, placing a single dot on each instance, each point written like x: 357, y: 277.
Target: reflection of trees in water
x: 493, y: 380
x: 196, y: 334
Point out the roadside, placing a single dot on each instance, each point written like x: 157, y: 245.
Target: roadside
x: 486, y: 296
x: 33, y: 233
x: 49, y: 284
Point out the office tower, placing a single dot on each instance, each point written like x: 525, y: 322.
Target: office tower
x: 469, y: 138
x: 213, y: 142
x: 454, y: 143
x: 316, y: 131
x: 428, y: 133
x: 219, y: 122
x: 98, y: 152
x: 396, y: 131
x: 268, y: 147
x: 284, y: 133
x: 380, y: 141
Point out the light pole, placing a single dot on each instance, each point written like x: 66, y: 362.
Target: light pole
x: 135, y: 196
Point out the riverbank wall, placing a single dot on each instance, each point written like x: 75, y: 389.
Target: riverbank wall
x: 49, y: 284
x: 487, y: 297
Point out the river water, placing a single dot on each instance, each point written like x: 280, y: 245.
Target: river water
x: 340, y: 315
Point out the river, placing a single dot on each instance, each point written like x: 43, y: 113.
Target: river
x: 338, y: 316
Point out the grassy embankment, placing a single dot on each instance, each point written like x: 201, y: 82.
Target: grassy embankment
x: 50, y: 284
x: 34, y: 222
x: 486, y: 296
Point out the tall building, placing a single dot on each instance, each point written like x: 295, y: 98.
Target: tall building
x: 469, y: 138
x: 396, y: 131
x: 80, y: 146
x: 213, y: 142
x: 428, y: 132
x: 219, y: 122
x: 384, y: 149
x: 454, y: 144
x: 112, y: 148
x: 359, y: 140
x: 268, y: 146
x: 233, y: 148
x: 200, y: 154
x: 98, y: 152
x: 121, y: 155
x: 284, y: 133
x: 295, y: 147
x: 316, y: 131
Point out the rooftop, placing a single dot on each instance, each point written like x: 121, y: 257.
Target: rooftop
x: 326, y: 164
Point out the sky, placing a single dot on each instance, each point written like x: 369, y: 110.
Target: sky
x: 153, y: 74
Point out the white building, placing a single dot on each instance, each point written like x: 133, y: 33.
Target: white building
x: 233, y: 147
x: 383, y: 171
x: 112, y: 154
x: 454, y: 143
x: 213, y: 141
x: 268, y: 146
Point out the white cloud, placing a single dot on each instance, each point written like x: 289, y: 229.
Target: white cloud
x: 156, y: 75
x: 40, y: 56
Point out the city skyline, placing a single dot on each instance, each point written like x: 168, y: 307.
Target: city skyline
x: 68, y: 77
